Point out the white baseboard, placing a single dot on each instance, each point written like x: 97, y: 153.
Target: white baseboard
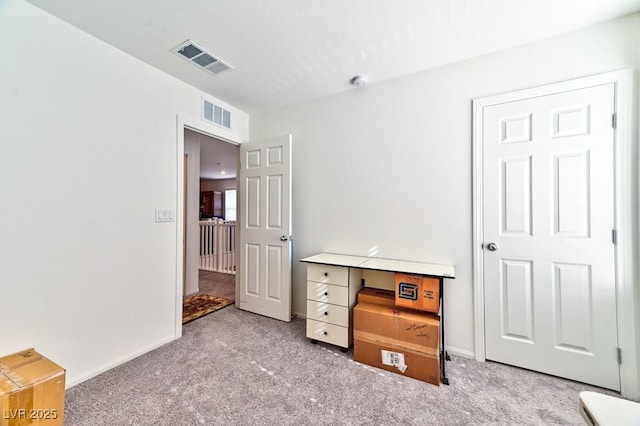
x: 112, y: 364
x: 460, y: 352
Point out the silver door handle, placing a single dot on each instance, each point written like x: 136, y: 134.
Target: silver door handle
x: 284, y: 238
x: 492, y: 247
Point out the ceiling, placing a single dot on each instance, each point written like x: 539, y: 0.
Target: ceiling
x: 218, y: 159
x: 289, y: 51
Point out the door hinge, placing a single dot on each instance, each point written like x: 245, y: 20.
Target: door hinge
x: 614, y: 120
x: 614, y: 236
x: 619, y: 356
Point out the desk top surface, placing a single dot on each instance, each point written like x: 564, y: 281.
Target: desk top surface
x: 380, y: 264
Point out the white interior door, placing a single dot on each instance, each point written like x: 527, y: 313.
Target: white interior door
x: 549, y: 272
x: 264, y: 202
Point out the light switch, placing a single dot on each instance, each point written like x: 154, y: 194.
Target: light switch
x: 165, y: 215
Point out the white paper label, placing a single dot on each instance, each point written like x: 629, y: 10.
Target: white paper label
x: 395, y: 359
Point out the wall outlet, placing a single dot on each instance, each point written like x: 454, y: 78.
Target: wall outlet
x: 165, y: 215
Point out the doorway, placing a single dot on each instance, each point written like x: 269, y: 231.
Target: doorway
x: 552, y: 231
x: 186, y: 266
x: 210, y: 224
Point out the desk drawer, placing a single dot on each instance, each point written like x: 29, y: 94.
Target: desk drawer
x: 334, y: 294
x: 329, y: 333
x: 325, y: 312
x: 336, y: 275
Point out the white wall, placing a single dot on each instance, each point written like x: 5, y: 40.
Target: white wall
x: 386, y: 168
x: 87, y: 276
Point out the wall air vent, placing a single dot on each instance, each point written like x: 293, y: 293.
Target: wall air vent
x: 216, y: 114
x: 197, y: 55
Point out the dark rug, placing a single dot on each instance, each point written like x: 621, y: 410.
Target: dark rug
x: 198, y: 305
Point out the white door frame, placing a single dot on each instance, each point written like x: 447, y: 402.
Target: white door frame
x: 199, y: 126
x: 626, y: 189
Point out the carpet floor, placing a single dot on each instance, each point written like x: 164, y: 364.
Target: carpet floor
x: 238, y: 368
x: 217, y: 284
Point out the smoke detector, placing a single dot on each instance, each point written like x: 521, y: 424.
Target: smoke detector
x: 359, y: 80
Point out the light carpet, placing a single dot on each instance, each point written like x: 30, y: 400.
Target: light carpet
x: 238, y: 368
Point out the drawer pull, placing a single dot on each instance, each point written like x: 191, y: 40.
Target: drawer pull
x: 325, y: 333
x: 326, y: 293
x: 326, y: 274
x: 326, y: 313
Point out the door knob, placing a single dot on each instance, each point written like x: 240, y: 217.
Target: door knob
x: 492, y: 246
x: 284, y: 238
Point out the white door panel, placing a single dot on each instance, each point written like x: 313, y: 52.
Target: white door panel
x: 548, y: 198
x: 265, y: 221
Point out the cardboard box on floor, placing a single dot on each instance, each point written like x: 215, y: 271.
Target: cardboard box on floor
x: 401, y: 324
x: 396, y: 356
x: 377, y: 296
x: 418, y: 292
x: 31, y: 390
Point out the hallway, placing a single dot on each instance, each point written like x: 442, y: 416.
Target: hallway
x: 218, y: 284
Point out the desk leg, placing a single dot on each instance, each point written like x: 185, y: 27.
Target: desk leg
x: 444, y: 356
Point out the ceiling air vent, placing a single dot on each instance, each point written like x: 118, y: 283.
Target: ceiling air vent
x: 216, y: 114
x: 196, y: 54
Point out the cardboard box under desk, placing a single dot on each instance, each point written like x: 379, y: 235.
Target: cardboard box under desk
x: 418, y: 292
x: 404, y: 325
x: 377, y: 296
x: 31, y: 390
x: 406, y: 359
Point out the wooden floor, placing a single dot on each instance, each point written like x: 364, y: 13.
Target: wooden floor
x: 218, y: 284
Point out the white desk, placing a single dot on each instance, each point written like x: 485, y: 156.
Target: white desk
x: 333, y: 324
x: 380, y: 264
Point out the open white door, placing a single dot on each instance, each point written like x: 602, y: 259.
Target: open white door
x: 264, y: 221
